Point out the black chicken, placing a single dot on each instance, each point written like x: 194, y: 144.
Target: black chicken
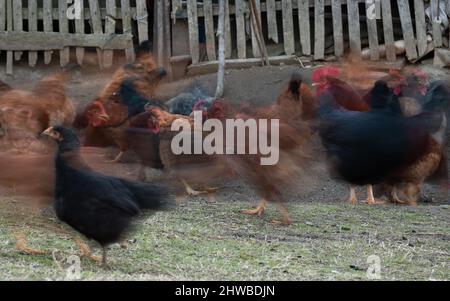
x: 98, y: 206
x: 365, y: 148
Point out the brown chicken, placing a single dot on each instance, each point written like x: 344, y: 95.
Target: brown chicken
x: 24, y: 115
x: 293, y: 108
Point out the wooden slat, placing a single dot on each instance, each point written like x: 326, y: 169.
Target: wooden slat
x: 168, y: 39
x: 354, y: 29
x: 388, y: 30
x: 437, y: 30
x: 9, y: 27
x: 110, y: 28
x: 64, y: 54
x: 240, y: 30
x: 421, y: 26
x: 288, y: 27
x: 319, y: 30
x: 407, y: 28
x: 209, y: 30
x: 48, y: 26
x: 96, y: 21
x: 305, y: 27
x: 255, y: 47
x: 142, y: 20
x: 272, y: 20
x: 159, y: 9
x: 193, y: 30
x: 228, y: 44
x: 18, y: 23
x: 338, y: 35
x: 372, y: 32
x: 80, y: 29
x: 37, y: 41
x: 32, y: 26
x: 2, y: 15
x: 127, y: 29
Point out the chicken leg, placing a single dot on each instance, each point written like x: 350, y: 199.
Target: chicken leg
x: 259, y: 210
x: 286, y: 221
x: 352, y: 197
x: 192, y: 192
x: 370, y: 198
x: 85, y: 250
x: 21, y: 245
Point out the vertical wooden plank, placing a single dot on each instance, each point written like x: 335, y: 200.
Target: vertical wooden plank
x: 32, y: 26
x: 288, y: 27
x: 110, y: 29
x: 193, y: 30
x: 126, y: 24
x: 338, y: 35
x: 228, y: 47
x: 437, y: 30
x: 80, y: 28
x: 407, y: 28
x: 372, y: 32
x: 64, y: 54
x: 2, y: 15
x: 255, y: 47
x: 421, y: 27
x: 240, y: 30
x: 18, y: 23
x: 160, y: 32
x: 209, y: 30
x: 319, y: 30
x: 10, y: 26
x: 388, y: 30
x: 167, y: 39
x: 142, y: 20
x: 48, y: 26
x: 96, y: 21
x: 272, y: 20
x: 354, y: 29
x: 305, y: 27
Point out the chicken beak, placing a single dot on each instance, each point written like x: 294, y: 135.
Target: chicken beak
x: 50, y: 132
x: 103, y: 117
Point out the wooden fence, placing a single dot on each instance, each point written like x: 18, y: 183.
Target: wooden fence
x: 309, y: 38
x: 58, y: 26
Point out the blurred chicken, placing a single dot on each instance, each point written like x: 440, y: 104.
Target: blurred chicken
x: 293, y: 108
x: 24, y: 115
x: 191, y: 100
x: 367, y: 148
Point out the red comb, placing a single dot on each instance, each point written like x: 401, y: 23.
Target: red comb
x: 324, y: 72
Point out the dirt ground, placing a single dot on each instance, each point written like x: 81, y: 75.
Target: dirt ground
x: 210, y: 240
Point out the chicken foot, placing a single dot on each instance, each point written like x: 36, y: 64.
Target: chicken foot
x: 21, y: 245
x: 370, y: 198
x: 352, y: 197
x: 286, y: 221
x: 85, y: 250
x: 192, y: 192
x: 258, y: 210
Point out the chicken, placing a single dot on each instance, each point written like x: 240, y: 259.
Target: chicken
x: 367, y: 148
x: 98, y: 206
x: 191, y: 100
x: 291, y: 108
x: 24, y: 115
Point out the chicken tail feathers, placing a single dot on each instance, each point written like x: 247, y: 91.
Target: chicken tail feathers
x: 151, y: 196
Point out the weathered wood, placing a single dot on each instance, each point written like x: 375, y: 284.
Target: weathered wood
x: 80, y: 28
x: 87, y: 15
x: 407, y: 28
x: 64, y: 54
x: 32, y: 27
x: 228, y: 44
x: 9, y: 27
x: 338, y: 35
x: 421, y: 27
x: 110, y: 28
x: 18, y: 23
x: 255, y: 47
x: 437, y: 31
x: 2, y: 15
x: 127, y: 29
x: 372, y: 32
x: 354, y: 29
x: 388, y: 30
x: 209, y: 30
x: 36, y: 41
x: 221, y: 34
x: 160, y: 33
x: 96, y: 21
x: 168, y: 39
x: 288, y: 27
x: 240, y: 29
x: 142, y: 20
x: 271, y: 20
x: 193, y: 30
x: 305, y: 27
x: 319, y: 30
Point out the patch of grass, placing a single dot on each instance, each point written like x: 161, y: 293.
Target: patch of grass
x: 214, y: 241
